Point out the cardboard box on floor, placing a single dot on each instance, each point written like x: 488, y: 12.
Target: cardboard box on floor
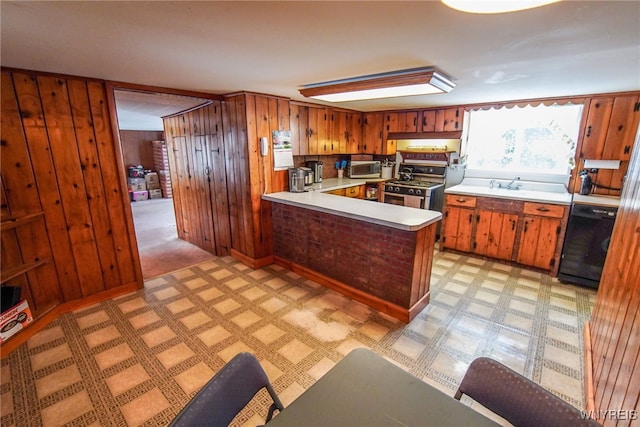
x: 14, y: 320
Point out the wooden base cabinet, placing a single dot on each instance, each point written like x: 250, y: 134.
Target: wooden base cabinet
x: 542, y: 227
x: 527, y: 233
x: 458, y: 223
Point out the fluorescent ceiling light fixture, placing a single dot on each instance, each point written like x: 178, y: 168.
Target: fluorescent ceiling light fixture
x: 415, y: 81
x: 495, y: 6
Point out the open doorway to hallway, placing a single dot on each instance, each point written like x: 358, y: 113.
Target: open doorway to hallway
x: 140, y: 123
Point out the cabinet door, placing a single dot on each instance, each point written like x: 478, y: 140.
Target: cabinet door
x: 338, y: 132
x: 428, y: 121
x: 495, y: 234
x: 390, y: 125
x: 456, y: 229
x: 319, y: 141
x: 299, y: 125
x: 355, y: 192
x: 452, y: 119
x: 372, y: 133
x: 595, y: 132
x: 538, y: 242
x: 622, y: 128
x: 408, y: 121
x: 354, y: 133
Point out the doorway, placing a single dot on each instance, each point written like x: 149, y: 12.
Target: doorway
x: 140, y: 123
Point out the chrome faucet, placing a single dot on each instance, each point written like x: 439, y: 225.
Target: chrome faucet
x: 492, y: 183
x: 508, y: 186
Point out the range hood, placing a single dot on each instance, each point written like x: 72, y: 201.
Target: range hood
x: 431, y: 144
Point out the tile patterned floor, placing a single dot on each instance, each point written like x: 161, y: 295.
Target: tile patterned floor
x: 138, y: 359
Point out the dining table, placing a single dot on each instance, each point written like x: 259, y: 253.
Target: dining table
x: 364, y: 389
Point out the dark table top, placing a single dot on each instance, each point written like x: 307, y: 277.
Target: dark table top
x: 364, y: 389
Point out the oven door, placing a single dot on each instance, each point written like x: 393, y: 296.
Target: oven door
x: 419, y: 202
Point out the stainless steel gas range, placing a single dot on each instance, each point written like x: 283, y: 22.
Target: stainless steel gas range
x: 418, y: 186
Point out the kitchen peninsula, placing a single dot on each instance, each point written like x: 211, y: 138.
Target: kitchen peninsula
x: 378, y: 254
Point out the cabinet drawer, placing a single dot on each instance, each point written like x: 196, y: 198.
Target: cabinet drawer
x: 352, y: 191
x: 459, y: 200
x: 544, y: 209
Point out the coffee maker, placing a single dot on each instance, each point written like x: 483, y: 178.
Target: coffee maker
x: 296, y: 180
x: 316, y: 167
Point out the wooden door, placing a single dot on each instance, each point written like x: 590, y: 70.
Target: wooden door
x: 538, y: 242
x: 495, y: 234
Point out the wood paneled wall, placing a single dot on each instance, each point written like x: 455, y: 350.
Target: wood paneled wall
x: 60, y: 161
x: 251, y: 117
x: 137, y: 148
x: 615, y: 322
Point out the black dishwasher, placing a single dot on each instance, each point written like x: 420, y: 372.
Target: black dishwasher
x: 586, y: 243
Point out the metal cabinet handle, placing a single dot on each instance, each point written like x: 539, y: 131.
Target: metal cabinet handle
x: 461, y: 200
x: 542, y: 209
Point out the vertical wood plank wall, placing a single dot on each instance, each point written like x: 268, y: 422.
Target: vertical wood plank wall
x: 59, y: 157
x: 615, y: 322
x: 250, y: 117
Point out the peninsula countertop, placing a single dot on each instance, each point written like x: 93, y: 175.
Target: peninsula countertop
x: 400, y: 217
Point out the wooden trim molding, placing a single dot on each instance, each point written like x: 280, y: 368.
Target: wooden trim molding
x: 251, y: 262
x: 589, y: 391
x: 44, y: 320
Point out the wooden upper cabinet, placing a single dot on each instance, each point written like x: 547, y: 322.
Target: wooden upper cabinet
x: 339, y: 132
x: 595, y: 132
x: 428, y: 121
x: 449, y: 119
x: 408, y: 121
x: 354, y: 132
x: 372, y: 139
x: 313, y: 129
x: 299, y: 125
x: 622, y: 128
x: 610, y: 128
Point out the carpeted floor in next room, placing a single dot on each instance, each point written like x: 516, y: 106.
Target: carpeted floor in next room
x: 138, y: 359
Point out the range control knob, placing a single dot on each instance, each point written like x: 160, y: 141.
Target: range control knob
x: 410, y: 191
x: 389, y: 187
x: 418, y: 192
x: 397, y: 189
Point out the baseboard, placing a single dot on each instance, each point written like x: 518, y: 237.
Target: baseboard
x: 41, y: 322
x: 393, y: 310
x: 254, y: 263
x: 589, y: 390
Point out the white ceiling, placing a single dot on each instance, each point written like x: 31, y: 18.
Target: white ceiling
x: 568, y: 48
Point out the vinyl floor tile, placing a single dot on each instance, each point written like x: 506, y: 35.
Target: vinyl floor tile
x: 139, y: 358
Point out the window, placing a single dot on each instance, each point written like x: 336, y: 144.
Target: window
x: 537, y: 140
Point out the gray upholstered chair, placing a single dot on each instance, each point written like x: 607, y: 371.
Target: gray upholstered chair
x: 517, y: 399
x: 227, y: 393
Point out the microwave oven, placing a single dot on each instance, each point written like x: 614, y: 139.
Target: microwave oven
x: 363, y: 169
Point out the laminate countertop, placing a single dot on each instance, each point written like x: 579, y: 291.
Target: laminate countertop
x: 528, y: 191
x: 400, y: 217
